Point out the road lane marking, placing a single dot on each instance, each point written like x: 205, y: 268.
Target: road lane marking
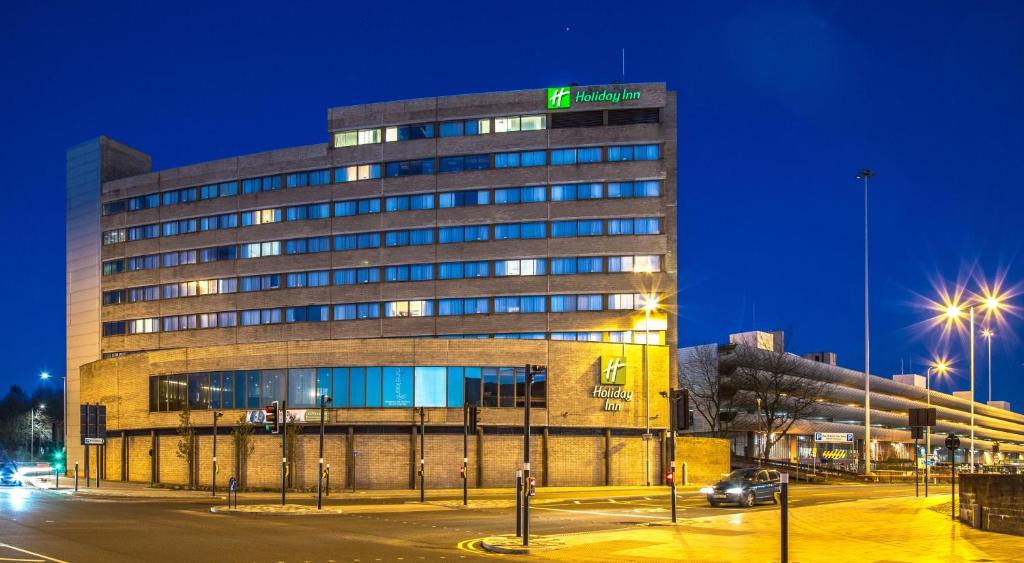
x: 615, y: 514
x: 9, y: 546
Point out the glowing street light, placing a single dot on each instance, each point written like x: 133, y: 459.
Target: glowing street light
x: 864, y: 175
x: 990, y: 303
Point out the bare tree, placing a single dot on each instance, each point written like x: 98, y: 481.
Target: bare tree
x: 782, y: 387
x: 701, y: 378
x: 187, y: 442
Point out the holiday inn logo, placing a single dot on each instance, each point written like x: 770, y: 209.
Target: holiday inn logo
x: 563, y: 97
x: 613, y: 370
x: 559, y: 98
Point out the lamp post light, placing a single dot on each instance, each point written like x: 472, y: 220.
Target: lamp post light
x: 45, y: 376
x: 942, y: 368
x: 866, y: 174
x: 650, y: 305
x: 954, y: 311
x: 988, y: 334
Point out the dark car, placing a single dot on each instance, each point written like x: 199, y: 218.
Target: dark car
x: 745, y: 487
x: 9, y: 476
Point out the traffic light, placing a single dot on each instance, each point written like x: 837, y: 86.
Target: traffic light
x: 472, y: 416
x: 681, y: 409
x: 670, y: 477
x: 57, y: 460
x: 272, y: 418
x: 462, y: 471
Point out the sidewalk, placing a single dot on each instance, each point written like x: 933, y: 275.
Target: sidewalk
x: 890, y: 530
x: 450, y: 498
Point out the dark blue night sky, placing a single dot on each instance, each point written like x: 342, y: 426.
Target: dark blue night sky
x: 780, y: 104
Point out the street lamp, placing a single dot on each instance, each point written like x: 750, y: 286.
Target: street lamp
x: 988, y: 334
x: 942, y: 368
x: 32, y: 433
x: 45, y: 376
x: 865, y: 174
x: 990, y: 303
x: 650, y: 305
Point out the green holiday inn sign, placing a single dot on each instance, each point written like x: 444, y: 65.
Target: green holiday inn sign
x: 563, y: 97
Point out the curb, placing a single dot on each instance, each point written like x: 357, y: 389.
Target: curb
x: 498, y: 544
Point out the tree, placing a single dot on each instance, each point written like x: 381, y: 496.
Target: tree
x: 242, y: 435
x: 701, y: 378
x: 291, y: 440
x: 187, y: 443
x: 781, y: 388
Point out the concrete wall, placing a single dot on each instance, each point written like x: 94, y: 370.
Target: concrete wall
x: 1001, y: 499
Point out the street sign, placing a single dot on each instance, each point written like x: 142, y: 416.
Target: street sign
x: 94, y: 441
x: 921, y: 417
x: 952, y: 442
x: 834, y: 437
x: 93, y: 422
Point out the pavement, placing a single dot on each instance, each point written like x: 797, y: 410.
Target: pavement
x: 860, y: 522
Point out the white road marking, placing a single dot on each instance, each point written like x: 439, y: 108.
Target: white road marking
x: 9, y: 546
x: 616, y: 514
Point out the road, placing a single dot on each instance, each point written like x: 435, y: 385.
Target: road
x: 42, y: 526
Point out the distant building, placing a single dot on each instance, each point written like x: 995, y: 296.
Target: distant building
x: 841, y: 411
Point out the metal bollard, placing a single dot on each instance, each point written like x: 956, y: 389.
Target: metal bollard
x: 76, y: 476
x: 784, y: 528
x: 328, y: 491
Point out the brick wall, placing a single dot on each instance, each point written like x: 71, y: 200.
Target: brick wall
x: 1001, y: 499
x: 706, y: 459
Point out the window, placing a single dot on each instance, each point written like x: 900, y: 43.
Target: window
x: 526, y: 267
x: 260, y: 249
x: 398, y: 387
x: 520, y: 195
x: 415, y: 308
x: 507, y: 124
x: 421, y: 272
x: 589, y: 264
x: 367, y: 275
x: 114, y: 236
x: 563, y: 229
x: 260, y: 217
x: 589, y: 303
x: 410, y: 168
x: 642, y: 263
x: 532, y: 122
x: 466, y: 198
x: 297, y: 279
x: 650, y: 188
x: 450, y: 271
x: 563, y: 266
x: 302, y: 179
x: 478, y: 126
x: 620, y: 226
x: 563, y: 304
x: 421, y: 236
x: 358, y: 137
x: 112, y: 207
x: 476, y: 233
x: 563, y: 156
x: 464, y: 163
x: 451, y: 129
x: 113, y: 297
x: 589, y: 154
x: 634, y: 152
x: 356, y: 172
x: 409, y: 132
x: 368, y: 240
x: 447, y: 235
x: 647, y: 226
x: 625, y: 301
x: 396, y: 273
x: 525, y: 304
x: 344, y: 242
x: 430, y: 387
x: 406, y: 203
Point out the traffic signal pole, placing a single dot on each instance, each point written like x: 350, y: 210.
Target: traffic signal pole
x: 525, y: 489
x: 283, y: 420
x: 423, y: 414
x: 465, y: 454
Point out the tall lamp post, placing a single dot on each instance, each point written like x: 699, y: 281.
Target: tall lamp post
x: 941, y: 368
x: 954, y: 311
x: 650, y: 305
x: 988, y: 334
x: 866, y: 174
x: 45, y: 376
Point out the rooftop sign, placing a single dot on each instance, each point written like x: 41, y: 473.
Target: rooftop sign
x: 563, y: 97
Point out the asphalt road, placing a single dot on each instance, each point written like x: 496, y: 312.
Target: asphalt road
x: 42, y: 526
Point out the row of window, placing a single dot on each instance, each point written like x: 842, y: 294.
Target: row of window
x: 349, y: 208
x: 348, y: 387
x: 444, y: 164
x: 457, y: 128
x: 412, y: 237
x: 376, y: 310
x: 396, y: 273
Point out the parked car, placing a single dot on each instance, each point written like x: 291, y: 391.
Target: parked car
x: 745, y: 487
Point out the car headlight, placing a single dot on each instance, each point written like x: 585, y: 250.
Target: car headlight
x: 734, y: 490
x: 707, y: 490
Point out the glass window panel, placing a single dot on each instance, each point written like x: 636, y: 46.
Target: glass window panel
x: 252, y: 390
x: 340, y: 380
x: 357, y: 387
x: 373, y: 387
x: 474, y: 385
x: 272, y: 385
x: 430, y: 387
x: 398, y: 387
x: 455, y: 387
x: 302, y: 388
